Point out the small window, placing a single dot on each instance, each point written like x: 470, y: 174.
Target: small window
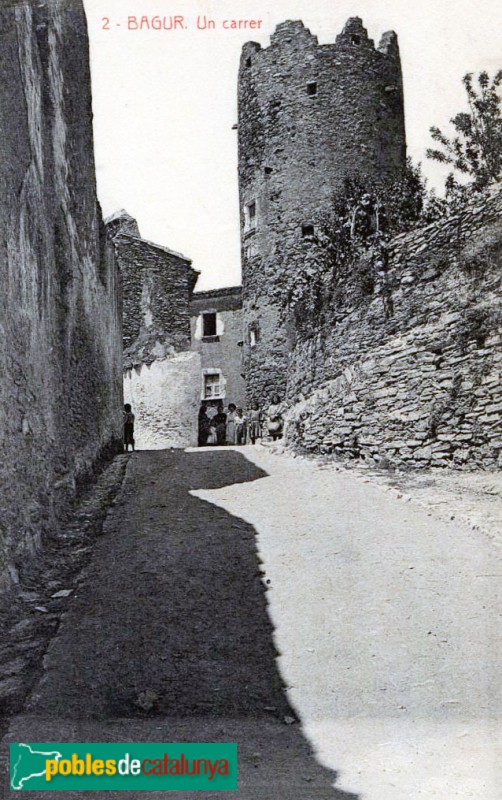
x: 312, y: 88
x: 209, y: 324
x: 355, y: 39
x: 268, y: 170
x: 253, y: 334
x: 212, y: 386
x: 307, y: 230
x: 250, y: 216
x: 248, y: 62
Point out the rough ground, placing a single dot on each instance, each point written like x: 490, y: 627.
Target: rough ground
x: 167, y: 637
x: 31, y: 611
x: 379, y: 632
x: 473, y: 498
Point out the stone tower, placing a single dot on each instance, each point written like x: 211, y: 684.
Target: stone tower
x: 310, y: 115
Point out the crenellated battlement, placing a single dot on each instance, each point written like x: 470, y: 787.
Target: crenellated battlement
x: 293, y: 34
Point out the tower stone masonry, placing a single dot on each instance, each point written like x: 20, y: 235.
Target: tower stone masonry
x: 310, y: 116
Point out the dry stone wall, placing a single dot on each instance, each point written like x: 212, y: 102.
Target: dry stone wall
x: 60, y: 343
x: 414, y: 374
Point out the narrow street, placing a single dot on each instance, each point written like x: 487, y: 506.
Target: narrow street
x: 341, y: 637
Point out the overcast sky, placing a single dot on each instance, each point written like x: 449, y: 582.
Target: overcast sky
x: 165, y: 102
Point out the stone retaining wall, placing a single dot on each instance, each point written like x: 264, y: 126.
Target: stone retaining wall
x: 414, y: 374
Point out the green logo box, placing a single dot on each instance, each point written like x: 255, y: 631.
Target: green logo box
x: 147, y: 766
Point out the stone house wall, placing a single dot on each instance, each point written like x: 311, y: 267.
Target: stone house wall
x: 161, y: 375
x: 61, y: 339
x: 309, y: 116
x: 157, y: 285
x: 423, y: 385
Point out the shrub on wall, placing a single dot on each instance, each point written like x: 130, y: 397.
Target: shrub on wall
x: 339, y: 262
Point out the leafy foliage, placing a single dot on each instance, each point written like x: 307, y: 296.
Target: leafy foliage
x: 339, y: 265
x: 476, y: 150
x: 377, y: 208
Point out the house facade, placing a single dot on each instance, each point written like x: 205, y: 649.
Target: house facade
x: 216, y: 335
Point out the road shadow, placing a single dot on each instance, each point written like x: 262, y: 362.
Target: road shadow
x: 171, y: 623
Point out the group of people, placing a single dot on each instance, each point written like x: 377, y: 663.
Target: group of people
x: 236, y: 426
x: 220, y: 427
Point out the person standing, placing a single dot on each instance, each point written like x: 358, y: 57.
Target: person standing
x: 231, y: 424
x: 220, y: 423
x: 255, y: 418
x: 240, y: 426
x: 212, y: 439
x: 204, y: 425
x: 128, y: 428
x: 275, y: 422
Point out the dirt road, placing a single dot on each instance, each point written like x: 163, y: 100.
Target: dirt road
x: 388, y: 623
x: 234, y: 591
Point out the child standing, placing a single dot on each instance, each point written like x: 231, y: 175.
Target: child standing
x: 128, y: 427
x: 240, y: 427
x: 254, y: 423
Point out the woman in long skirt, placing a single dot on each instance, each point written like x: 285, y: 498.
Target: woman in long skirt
x: 231, y: 423
x: 275, y: 421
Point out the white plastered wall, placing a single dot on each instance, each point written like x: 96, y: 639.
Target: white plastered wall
x: 165, y: 399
